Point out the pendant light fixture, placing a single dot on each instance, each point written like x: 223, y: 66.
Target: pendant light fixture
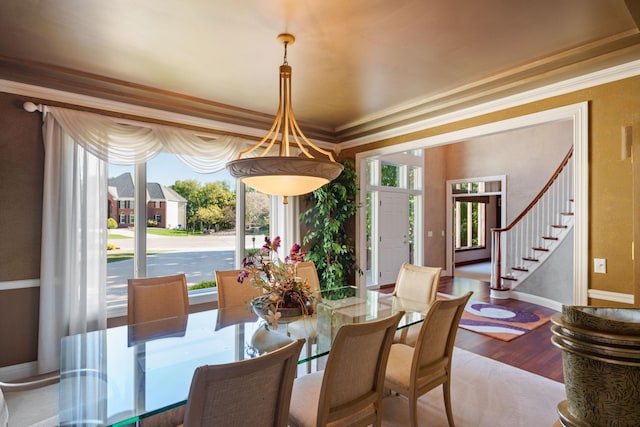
x: 295, y: 170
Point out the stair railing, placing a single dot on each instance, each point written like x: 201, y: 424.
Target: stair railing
x: 521, y: 243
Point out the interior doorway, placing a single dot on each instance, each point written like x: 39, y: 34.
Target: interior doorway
x: 577, y: 117
x: 475, y: 205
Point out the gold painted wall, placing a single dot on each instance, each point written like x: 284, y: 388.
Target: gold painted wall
x: 611, y: 214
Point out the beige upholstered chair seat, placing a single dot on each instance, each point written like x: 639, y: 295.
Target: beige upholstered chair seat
x: 307, y: 388
x: 399, y: 370
x: 413, y: 371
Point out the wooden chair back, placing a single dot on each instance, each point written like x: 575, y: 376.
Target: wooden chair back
x: 154, y: 298
x: 232, y: 293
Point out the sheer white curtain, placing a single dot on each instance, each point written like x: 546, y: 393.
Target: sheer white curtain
x: 78, y: 146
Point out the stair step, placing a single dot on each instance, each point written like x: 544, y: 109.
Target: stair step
x: 549, y: 238
x: 526, y: 258
x: 559, y: 226
x: 508, y: 277
x: 541, y: 249
x: 520, y: 268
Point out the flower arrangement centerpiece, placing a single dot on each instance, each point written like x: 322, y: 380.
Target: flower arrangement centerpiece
x: 283, y: 290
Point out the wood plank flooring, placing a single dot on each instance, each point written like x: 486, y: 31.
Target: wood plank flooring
x: 531, y: 352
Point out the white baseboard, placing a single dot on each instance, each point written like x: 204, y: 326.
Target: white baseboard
x: 537, y: 300
x: 611, y: 296
x: 16, y: 372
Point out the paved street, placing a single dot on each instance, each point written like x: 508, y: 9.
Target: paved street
x: 196, y: 256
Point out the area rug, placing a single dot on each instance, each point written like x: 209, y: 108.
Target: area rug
x: 498, y: 321
x: 484, y: 393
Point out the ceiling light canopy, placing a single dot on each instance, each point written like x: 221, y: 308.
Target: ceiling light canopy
x: 295, y: 170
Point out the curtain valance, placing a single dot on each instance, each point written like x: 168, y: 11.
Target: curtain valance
x: 128, y: 144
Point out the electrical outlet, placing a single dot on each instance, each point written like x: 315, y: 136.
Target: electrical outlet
x: 599, y: 265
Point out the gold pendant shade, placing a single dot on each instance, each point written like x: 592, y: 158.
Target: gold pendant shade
x: 295, y: 170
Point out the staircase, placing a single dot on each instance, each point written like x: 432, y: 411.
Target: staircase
x: 520, y: 248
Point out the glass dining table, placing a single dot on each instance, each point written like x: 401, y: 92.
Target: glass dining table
x: 120, y: 375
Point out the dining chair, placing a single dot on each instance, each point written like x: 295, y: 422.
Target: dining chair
x: 253, y: 392
x: 305, y: 327
x: 413, y: 371
x: 306, y: 270
x: 416, y: 283
x: 30, y: 402
x: 154, y: 298
x: 349, y: 390
x: 157, y: 298
x: 232, y: 293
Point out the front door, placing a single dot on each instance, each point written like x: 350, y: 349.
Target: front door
x: 393, y: 235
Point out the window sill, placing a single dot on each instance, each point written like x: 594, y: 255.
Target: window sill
x: 199, y: 296
x: 475, y: 248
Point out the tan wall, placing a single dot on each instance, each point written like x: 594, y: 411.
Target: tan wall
x: 21, y: 172
x: 611, y: 213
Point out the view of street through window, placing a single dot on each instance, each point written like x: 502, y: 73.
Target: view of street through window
x: 197, y: 256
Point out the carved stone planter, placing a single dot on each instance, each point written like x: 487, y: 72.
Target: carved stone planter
x: 601, y: 362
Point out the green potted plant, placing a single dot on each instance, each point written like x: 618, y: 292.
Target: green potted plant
x: 328, y: 241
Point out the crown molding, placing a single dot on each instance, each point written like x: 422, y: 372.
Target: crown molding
x: 608, y: 75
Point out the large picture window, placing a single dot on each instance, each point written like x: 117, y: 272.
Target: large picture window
x: 190, y: 226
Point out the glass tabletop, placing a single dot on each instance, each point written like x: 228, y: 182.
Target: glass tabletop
x: 120, y: 375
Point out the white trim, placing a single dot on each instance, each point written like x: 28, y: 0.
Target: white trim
x: 195, y: 297
x: 581, y: 203
x: 19, y: 284
x: 612, y: 296
x: 578, y: 113
x: 449, y: 208
x: 17, y: 372
x: 608, y: 75
x: 537, y: 300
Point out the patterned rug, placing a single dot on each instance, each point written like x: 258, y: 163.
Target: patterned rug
x: 498, y: 321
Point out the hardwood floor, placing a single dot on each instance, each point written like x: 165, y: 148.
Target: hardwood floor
x: 531, y: 352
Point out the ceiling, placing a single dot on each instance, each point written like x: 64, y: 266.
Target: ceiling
x: 359, y: 66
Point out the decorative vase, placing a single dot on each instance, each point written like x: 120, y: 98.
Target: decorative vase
x: 265, y: 340
x: 261, y: 308
x: 601, y: 361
